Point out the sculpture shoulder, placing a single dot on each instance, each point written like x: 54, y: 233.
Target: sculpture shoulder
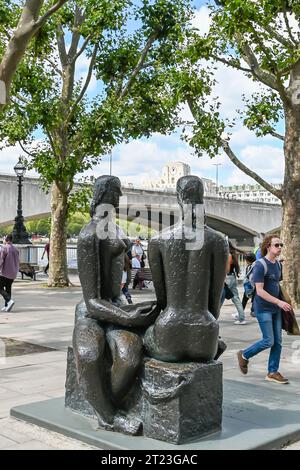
x: 87, y: 233
x: 215, y: 238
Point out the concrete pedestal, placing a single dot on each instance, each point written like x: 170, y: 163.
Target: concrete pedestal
x: 180, y: 402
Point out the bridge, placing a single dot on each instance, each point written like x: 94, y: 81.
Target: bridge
x: 243, y: 221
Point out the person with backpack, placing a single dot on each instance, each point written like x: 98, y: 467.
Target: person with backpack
x: 267, y: 308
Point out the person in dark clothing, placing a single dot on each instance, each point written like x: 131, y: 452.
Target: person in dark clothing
x: 9, y: 268
x: 47, y: 251
x: 250, y: 259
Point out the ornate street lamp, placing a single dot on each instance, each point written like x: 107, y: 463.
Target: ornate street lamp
x: 20, y: 236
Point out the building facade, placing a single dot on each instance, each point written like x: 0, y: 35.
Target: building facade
x: 171, y: 173
x: 247, y: 192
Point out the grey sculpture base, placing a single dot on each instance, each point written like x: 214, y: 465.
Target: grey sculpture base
x: 180, y: 402
x: 249, y: 422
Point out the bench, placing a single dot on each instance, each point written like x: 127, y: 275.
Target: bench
x: 29, y: 270
x: 144, y: 274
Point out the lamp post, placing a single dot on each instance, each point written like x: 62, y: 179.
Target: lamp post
x: 217, y: 176
x: 20, y: 236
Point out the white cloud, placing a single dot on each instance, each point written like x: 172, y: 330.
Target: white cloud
x: 201, y: 20
x: 139, y: 160
x: 265, y: 160
x: 9, y: 156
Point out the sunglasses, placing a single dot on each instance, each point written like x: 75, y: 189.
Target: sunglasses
x: 277, y: 245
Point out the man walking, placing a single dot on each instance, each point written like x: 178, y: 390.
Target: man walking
x: 9, y: 268
x: 267, y: 308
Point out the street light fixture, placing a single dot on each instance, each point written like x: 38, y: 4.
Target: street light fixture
x: 217, y: 176
x: 20, y: 235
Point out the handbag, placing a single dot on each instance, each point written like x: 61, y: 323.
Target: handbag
x: 228, y: 292
x: 288, y: 319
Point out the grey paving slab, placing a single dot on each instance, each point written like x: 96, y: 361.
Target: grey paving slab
x: 249, y: 422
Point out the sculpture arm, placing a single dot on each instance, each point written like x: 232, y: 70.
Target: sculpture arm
x: 89, y: 275
x: 157, y: 271
x: 219, y: 257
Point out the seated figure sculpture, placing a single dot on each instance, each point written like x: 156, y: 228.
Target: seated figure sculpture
x: 107, y: 340
x: 188, y: 264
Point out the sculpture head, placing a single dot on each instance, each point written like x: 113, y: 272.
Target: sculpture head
x: 190, y: 190
x: 107, y: 190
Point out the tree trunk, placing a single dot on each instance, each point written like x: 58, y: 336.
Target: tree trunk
x: 290, y: 231
x: 58, y: 269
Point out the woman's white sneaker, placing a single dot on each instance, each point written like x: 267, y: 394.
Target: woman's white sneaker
x: 10, y: 305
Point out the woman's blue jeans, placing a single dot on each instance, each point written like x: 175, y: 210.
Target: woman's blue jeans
x: 232, y: 284
x: 270, y: 325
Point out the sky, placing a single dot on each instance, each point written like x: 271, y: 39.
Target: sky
x: 143, y: 159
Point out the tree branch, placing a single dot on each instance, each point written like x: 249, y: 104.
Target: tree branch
x: 247, y: 171
x: 50, y: 12
x: 289, y: 31
x: 61, y: 45
x: 139, y: 65
x: 83, y: 47
x: 278, y: 37
x: 87, y: 82
x: 21, y: 98
x: 51, y: 142
x: 278, y: 136
x: 78, y: 20
x: 230, y: 63
x: 54, y: 66
x: 24, y: 149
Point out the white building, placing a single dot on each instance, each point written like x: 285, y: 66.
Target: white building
x: 171, y: 173
x: 248, y: 192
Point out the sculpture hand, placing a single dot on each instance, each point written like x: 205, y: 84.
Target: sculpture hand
x: 142, y: 314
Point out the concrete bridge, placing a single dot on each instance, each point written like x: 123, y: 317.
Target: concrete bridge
x: 240, y: 220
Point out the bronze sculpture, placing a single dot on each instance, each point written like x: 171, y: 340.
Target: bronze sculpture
x: 188, y: 282
x: 107, y: 354
x: 149, y: 365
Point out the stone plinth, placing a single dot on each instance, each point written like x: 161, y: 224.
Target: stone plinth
x: 182, y: 401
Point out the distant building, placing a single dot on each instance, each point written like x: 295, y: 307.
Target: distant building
x: 171, y: 173
x: 248, y: 192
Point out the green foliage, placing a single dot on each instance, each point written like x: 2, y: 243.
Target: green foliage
x: 262, y: 113
x: 77, y: 131
x: 255, y: 37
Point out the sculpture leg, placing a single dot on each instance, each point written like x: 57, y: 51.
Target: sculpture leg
x: 89, y: 347
x: 126, y: 350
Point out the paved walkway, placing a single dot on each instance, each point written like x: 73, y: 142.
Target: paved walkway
x: 45, y: 317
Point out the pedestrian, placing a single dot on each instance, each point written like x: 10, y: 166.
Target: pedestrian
x: 9, y: 268
x: 267, y: 308
x: 126, y: 278
x: 138, y: 250
x: 233, y: 271
x: 47, y: 251
x: 250, y: 260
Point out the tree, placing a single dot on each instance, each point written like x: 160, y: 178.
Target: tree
x: 131, y: 50
x: 28, y: 25
x: 261, y: 39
